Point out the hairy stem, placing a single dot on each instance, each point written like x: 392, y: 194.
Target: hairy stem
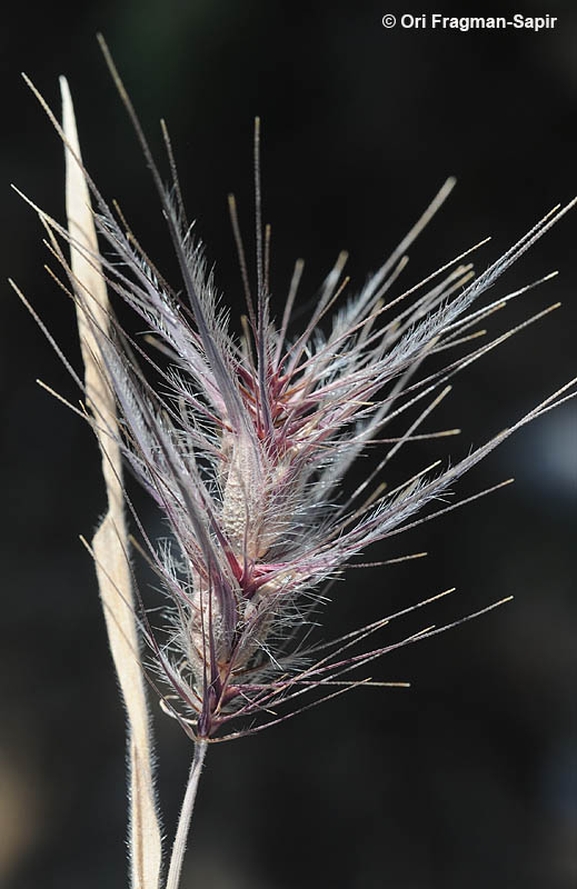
x: 181, y: 837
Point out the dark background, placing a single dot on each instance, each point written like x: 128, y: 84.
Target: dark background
x: 469, y: 779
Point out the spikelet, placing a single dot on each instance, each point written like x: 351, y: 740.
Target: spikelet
x: 246, y: 445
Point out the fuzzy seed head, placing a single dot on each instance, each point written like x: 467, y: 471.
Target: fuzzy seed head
x: 246, y: 445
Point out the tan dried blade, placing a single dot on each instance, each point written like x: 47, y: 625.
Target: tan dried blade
x: 110, y: 544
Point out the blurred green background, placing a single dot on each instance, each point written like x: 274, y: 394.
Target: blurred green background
x: 469, y: 779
